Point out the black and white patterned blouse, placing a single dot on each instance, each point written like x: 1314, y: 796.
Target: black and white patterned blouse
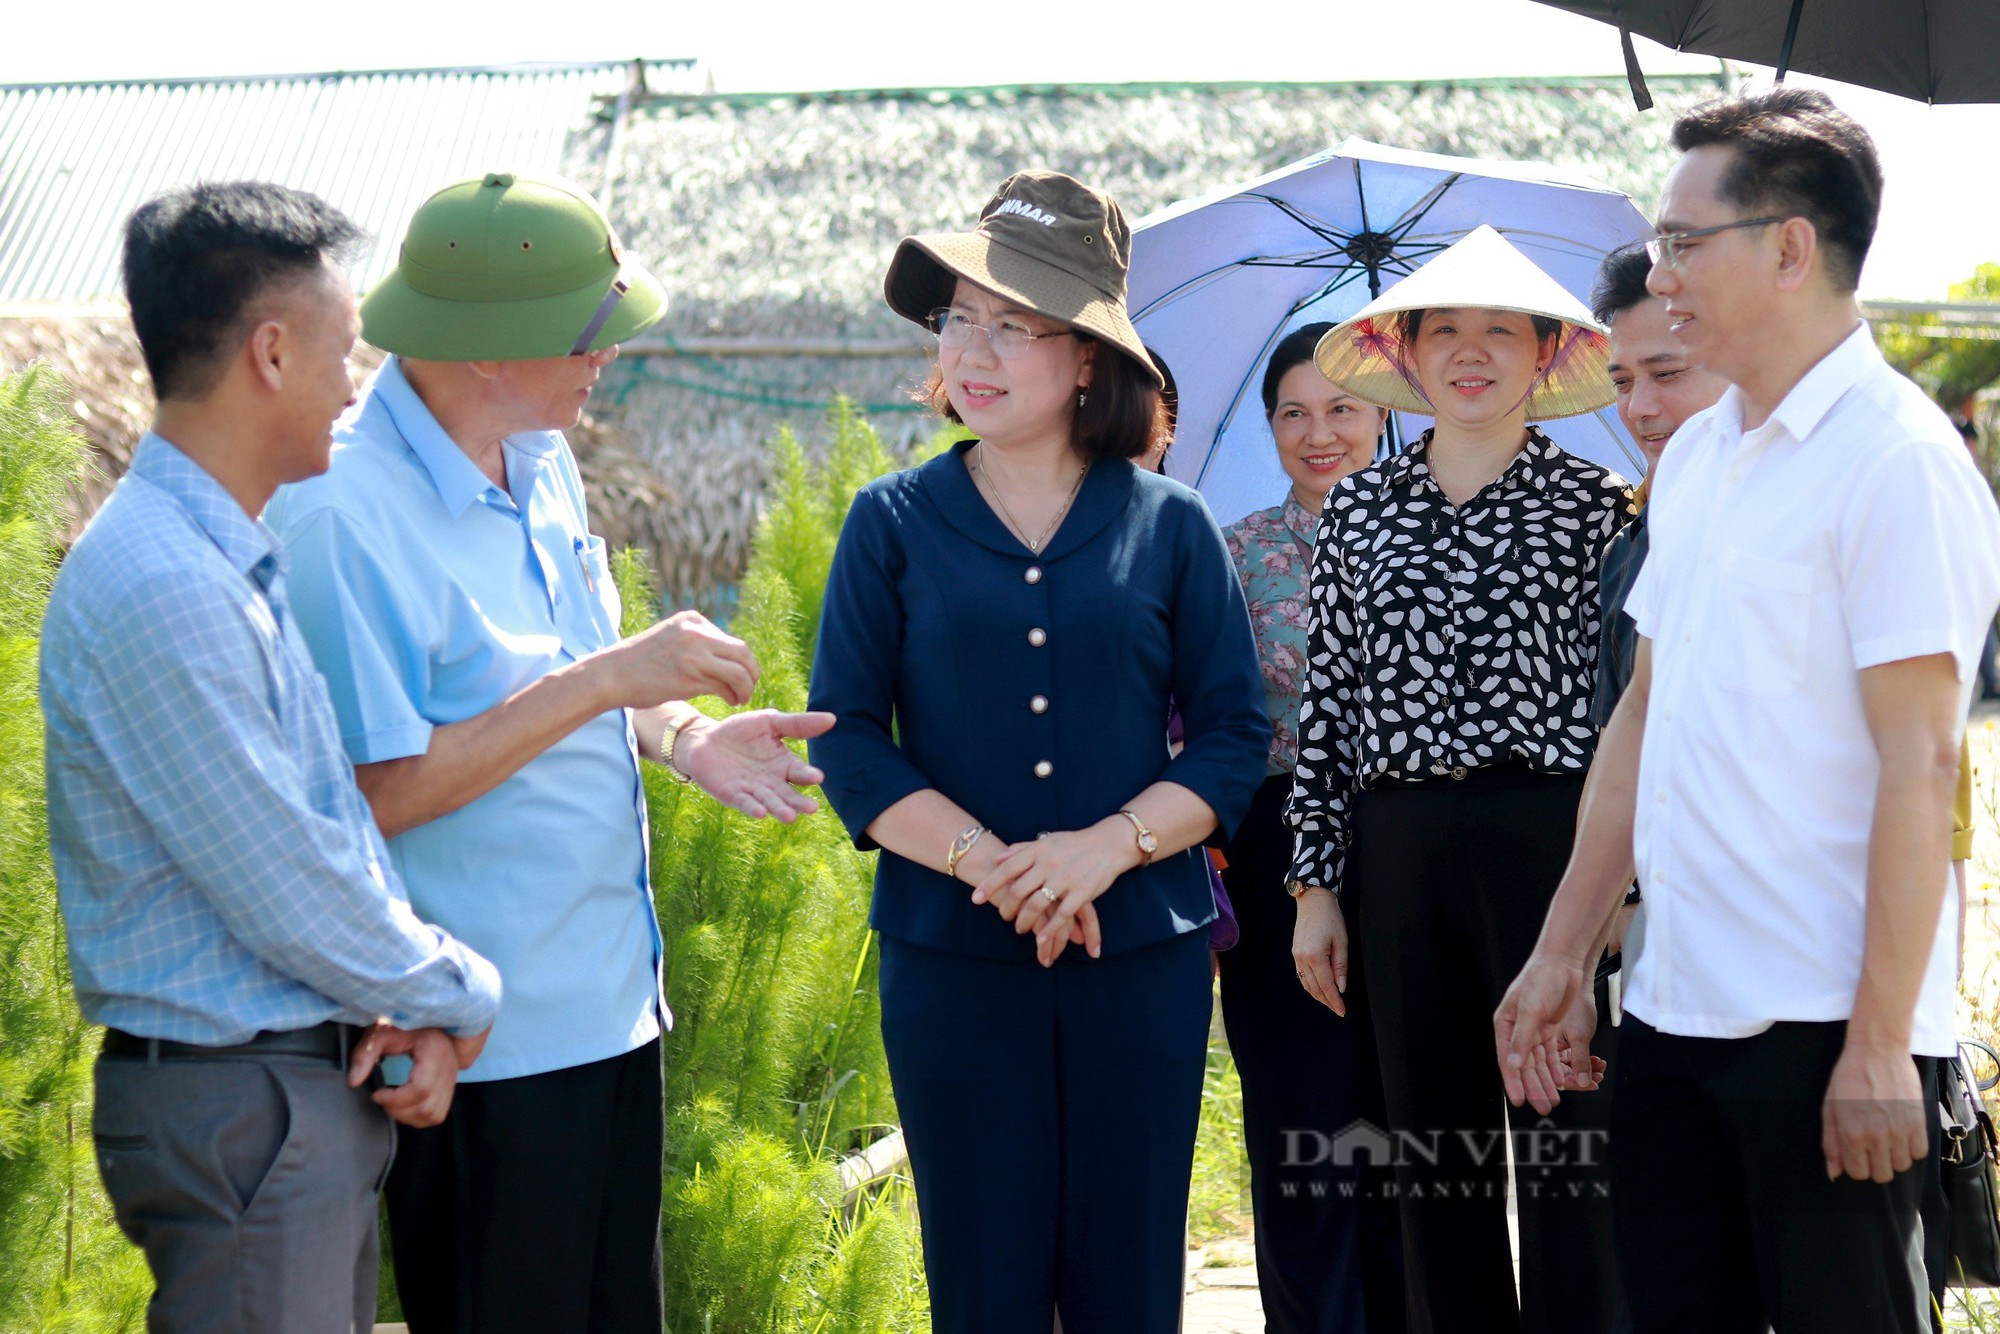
x: 1443, y: 639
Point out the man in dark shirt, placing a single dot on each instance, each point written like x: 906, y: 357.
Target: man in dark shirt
x: 1658, y: 389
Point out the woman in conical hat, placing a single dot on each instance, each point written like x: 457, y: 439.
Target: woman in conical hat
x: 1444, y: 733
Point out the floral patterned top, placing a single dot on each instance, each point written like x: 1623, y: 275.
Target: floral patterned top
x: 1273, y: 553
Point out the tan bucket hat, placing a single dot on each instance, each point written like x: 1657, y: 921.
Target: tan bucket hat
x: 1046, y: 241
x: 1368, y: 357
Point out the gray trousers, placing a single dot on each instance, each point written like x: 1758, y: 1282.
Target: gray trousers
x: 251, y: 1185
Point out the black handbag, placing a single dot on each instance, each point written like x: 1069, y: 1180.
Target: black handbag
x: 1967, y: 1161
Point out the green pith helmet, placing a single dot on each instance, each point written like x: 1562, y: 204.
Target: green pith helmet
x: 507, y: 268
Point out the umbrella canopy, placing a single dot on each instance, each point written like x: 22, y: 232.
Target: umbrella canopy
x: 1932, y: 50
x: 1216, y: 282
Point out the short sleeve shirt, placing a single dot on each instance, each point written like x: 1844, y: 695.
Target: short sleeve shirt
x: 1849, y: 530
x: 429, y: 595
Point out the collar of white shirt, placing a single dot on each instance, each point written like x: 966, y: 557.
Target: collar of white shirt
x: 1801, y: 410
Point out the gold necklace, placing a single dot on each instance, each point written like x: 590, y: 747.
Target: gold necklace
x: 1034, y: 544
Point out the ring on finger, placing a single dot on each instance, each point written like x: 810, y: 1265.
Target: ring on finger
x: 1048, y: 894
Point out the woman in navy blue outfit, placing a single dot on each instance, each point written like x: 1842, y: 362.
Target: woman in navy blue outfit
x: 1003, y: 631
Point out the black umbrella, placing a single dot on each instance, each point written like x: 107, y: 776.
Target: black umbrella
x: 1932, y: 50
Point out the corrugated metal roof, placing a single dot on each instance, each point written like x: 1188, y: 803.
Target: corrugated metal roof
x: 76, y: 159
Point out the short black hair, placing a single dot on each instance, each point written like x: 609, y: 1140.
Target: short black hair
x: 1295, y: 349
x: 1798, y: 154
x: 1621, y: 283
x: 197, y: 257
x: 1122, y: 416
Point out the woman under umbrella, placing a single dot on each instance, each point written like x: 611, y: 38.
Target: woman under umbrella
x: 1301, y: 1065
x: 1444, y: 733
x: 1003, y: 629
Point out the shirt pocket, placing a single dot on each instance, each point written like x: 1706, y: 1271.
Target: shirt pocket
x: 1767, y: 616
x: 606, y: 610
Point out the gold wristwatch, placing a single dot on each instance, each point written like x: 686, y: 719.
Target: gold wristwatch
x: 1148, y: 845
x: 668, y: 739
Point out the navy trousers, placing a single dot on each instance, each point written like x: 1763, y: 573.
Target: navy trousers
x: 1327, y: 1232
x: 1050, y: 1114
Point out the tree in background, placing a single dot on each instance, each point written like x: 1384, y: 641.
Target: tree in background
x: 1953, y: 370
x: 775, y: 1068
x: 63, y: 1264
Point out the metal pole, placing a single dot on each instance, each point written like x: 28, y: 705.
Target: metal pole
x: 1791, y: 35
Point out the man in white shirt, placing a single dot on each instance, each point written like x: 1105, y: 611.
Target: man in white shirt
x: 1781, y: 769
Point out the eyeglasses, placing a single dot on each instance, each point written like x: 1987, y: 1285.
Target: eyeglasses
x: 1008, y: 339
x: 1665, y: 249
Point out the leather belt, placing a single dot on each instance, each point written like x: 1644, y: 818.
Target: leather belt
x: 330, y: 1041
x: 1510, y: 770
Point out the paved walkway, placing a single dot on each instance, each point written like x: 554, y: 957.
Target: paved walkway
x: 1223, y: 1301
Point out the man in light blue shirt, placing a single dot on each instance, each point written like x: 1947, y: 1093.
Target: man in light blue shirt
x: 431, y: 595
x: 231, y: 911
x: 465, y: 618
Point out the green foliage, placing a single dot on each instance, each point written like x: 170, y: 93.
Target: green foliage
x: 775, y: 1067
x: 1951, y: 370
x: 63, y: 1263
x: 1219, y: 1194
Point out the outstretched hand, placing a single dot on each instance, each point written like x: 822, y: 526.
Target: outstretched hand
x: 743, y: 762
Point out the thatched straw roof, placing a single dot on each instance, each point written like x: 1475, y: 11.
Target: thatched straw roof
x: 98, y: 357
x: 774, y: 217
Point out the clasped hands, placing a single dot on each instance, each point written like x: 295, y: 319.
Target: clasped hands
x: 436, y: 1057
x: 1049, y: 886
x: 1871, y: 1119
x: 1542, y: 1033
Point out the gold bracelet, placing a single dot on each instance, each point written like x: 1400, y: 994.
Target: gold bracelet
x: 960, y: 846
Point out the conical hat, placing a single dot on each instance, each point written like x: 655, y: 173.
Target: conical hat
x: 1367, y: 355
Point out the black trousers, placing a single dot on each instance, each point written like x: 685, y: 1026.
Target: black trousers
x: 1726, y: 1219
x: 1933, y: 1209
x: 536, y: 1205
x: 1329, y: 1249
x: 1454, y: 879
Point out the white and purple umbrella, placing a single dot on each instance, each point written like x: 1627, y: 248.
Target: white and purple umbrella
x: 1216, y: 282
